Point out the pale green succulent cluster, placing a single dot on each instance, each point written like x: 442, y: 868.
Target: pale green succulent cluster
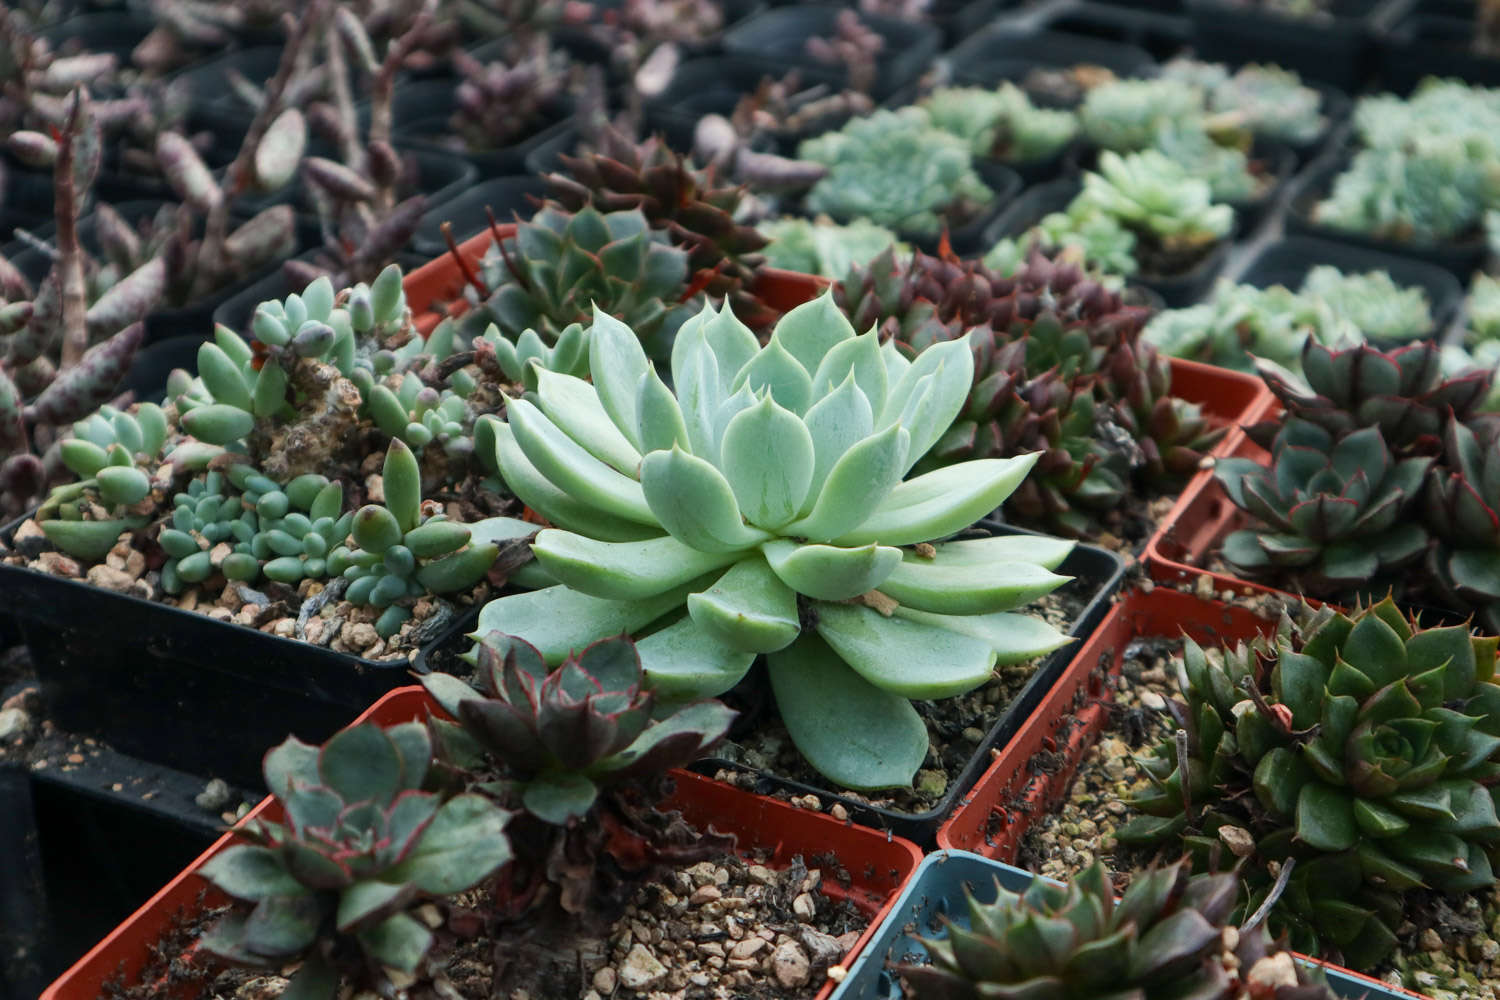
x: 823, y: 246
x: 762, y: 508
x: 1269, y: 101
x: 1429, y: 169
x: 1134, y: 202
x: 1274, y: 323
x: 1484, y: 308
x: 898, y: 170
x: 1001, y: 122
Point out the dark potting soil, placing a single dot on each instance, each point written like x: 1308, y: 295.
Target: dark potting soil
x: 955, y: 728
x: 1449, y: 947
x: 715, y: 930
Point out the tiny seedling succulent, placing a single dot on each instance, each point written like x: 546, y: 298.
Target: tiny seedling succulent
x: 765, y: 496
x: 1001, y: 123
x: 1169, y: 936
x: 361, y: 844
x: 104, y: 456
x: 1356, y: 749
x: 1333, y: 508
x: 561, y: 735
x: 401, y: 553
x: 897, y: 170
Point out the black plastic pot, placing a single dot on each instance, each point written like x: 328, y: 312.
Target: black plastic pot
x: 209, y: 91
x: 775, y: 40
x: 103, y: 850
x: 1288, y: 261
x: 1461, y: 258
x: 1337, y: 50
x: 194, y: 320
x: 714, y: 86
x: 958, y: 19
x: 27, y: 193
x: 1160, y: 34
x: 505, y: 196
x: 24, y: 967
x: 177, y: 687
x: 420, y: 113
x: 1097, y: 575
x: 1175, y: 291
x: 1429, y: 44
x: 1003, y: 53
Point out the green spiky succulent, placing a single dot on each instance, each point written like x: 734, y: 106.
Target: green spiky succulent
x: 333, y: 884
x: 1483, y: 308
x: 560, y: 264
x: 897, y: 170
x: 400, y: 552
x: 519, y: 360
x: 1377, y: 306
x: 767, y: 496
x: 1001, y: 123
x: 1460, y: 510
x: 1169, y: 937
x: 1404, y: 392
x: 1333, y: 509
x: 561, y: 735
x: 1361, y: 746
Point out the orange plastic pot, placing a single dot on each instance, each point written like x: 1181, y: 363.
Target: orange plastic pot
x: 878, y: 865
x: 998, y: 812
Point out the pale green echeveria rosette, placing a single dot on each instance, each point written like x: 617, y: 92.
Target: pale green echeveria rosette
x: 755, y: 511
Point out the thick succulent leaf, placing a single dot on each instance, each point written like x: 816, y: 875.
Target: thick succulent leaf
x: 857, y: 358
x: 559, y: 797
x: 573, y: 405
x: 774, y: 370
x: 813, y: 329
x: 748, y: 608
x: 837, y: 422
x: 851, y: 731
x: 1014, y: 638
x: 414, y: 746
x: 828, y: 572
x: 912, y: 659
x: 937, y: 398
x: 695, y: 503
x: 940, y: 503
x: 560, y: 620
x: 860, y: 482
x: 370, y: 902
x: 695, y: 376
x: 463, y: 845
x: 928, y: 585
x: 683, y: 662
x: 289, y: 760
x: 572, y: 469
x: 1374, y: 648
x: 623, y: 571
x: 1325, y: 817
x: 538, y: 492
x: 1039, y: 550
x: 767, y: 458
x: 686, y: 734
x: 398, y: 942
x: 616, y: 362
x: 659, y: 422
x: 1173, y: 946
x: 361, y: 764
x: 251, y: 873
x: 733, y: 344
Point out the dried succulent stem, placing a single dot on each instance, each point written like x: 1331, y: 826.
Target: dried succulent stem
x: 1180, y: 740
x: 74, y: 293
x: 1282, y: 878
x: 343, y: 101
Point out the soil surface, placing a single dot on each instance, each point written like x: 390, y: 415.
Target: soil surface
x: 1450, y: 948
x: 731, y: 929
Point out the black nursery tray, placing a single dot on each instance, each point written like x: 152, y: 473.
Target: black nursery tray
x: 1003, y: 53
x: 177, y: 687
x: 1161, y: 32
x: 1430, y: 44
x: 1339, y: 50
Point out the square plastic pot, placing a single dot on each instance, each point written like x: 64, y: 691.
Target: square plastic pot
x: 1003, y: 52
x: 936, y: 893
x: 878, y: 865
x: 1176, y: 290
x: 1460, y: 257
x: 1097, y: 576
x: 1337, y: 50
x: 775, y: 38
x: 1288, y: 262
x: 23, y: 900
x: 420, y: 113
x: 1160, y: 33
x: 1430, y: 43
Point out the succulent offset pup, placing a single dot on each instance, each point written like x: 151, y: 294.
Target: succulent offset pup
x: 1361, y: 747
x: 361, y: 844
x: 766, y: 497
x: 1167, y: 939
